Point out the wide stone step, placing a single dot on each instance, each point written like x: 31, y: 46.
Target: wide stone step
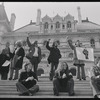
x: 82, y: 89
x: 49, y: 93
x: 42, y: 96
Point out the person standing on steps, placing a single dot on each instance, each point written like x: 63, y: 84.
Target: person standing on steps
x: 79, y: 63
x: 4, y: 56
x: 17, y: 60
x: 36, y: 52
x: 54, y: 57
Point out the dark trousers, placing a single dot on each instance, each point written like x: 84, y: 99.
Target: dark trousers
x: 4, y: 76
x: 22, y: 89
x: 58, y: 87
x: 4, y: 72
x: 82, y: 74
x: 52, y: 70
x: 12, y: 72
x: 34, y: 62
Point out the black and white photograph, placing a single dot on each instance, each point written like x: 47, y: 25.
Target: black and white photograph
x: 49, y: 49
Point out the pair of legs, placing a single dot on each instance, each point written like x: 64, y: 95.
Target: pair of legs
x: 52, y: 70
x: 12, y: 72
x: 96, y: 82
x: 66, y: 87
x: 80, y: 68
x: 23, y: 90
x: 34, y: 62
x: 4, y: 76
x: 4, y: 72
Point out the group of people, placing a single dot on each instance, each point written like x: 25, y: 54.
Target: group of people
x: 55, y: 55
x: 61, y: 76
x: 26, y: 85
x: 10, y: 61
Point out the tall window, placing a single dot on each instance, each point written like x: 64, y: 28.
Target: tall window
x: 57, y: 25
x: 51, y: 27
x: 46, y: 25
x: 63, y: 26
x: 92, y: 42
x: 68, y: 24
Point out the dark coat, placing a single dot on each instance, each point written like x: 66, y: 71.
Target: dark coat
x: 59, y: 73
x: 54, y: 55
x: 24, y: 76
x: 3, y: 58
x: 63, y: 81
x: 32, y: 48
x: 18, y: 63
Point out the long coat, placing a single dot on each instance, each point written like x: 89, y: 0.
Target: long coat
x: 76, y: 61
x: 32, y: 48
x: 15, y: 62
x: 54, y: 55
x: 3, y: 58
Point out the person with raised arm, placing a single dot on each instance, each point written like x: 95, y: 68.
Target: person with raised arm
x: 36, y: 54
x: 54, y: 57
x: 79, y: 63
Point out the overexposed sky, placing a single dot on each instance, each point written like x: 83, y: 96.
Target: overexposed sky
x: 26, y: 11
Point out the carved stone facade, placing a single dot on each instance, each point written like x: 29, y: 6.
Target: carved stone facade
x: 56, y: 28
x: 57, y: 24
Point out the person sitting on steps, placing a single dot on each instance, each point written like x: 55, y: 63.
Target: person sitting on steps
x: 26, y: 84
x: 63, y: 80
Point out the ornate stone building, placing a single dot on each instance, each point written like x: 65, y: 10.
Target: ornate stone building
x: 56, y: 28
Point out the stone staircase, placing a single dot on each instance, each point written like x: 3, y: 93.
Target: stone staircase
x: 82, y: 89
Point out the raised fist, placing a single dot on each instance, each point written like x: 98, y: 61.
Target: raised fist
x: 67, y: 38
x: 28, y: 34
x: 49, y: 39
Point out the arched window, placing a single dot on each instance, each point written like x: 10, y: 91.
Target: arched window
x: 68, y: 24
x: 46, y: 25
x: 63, y: 26
x: 51, y: 27
x: 92, y: 42
x: 57, y: 25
